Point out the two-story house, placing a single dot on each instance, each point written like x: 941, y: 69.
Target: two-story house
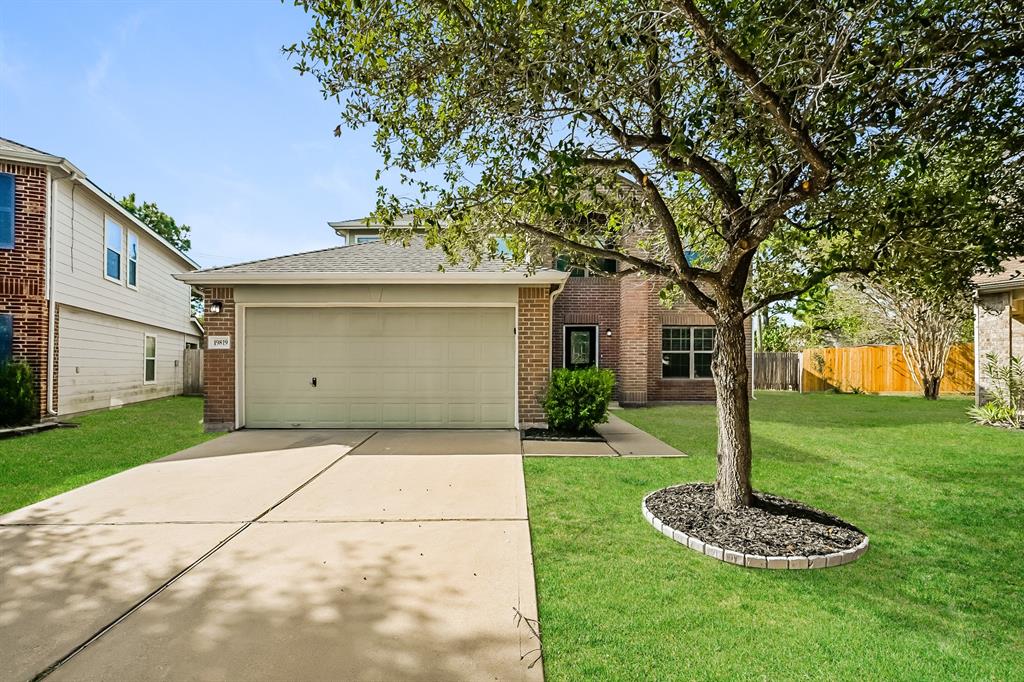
x: 658, y: 354
x: 377, y: 335
x: 87, y: 296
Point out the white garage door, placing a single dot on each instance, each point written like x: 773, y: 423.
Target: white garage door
x: 379, y: 367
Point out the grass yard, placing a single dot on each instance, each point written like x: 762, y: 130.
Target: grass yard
x: 42, y: 465
x: 939, y: 595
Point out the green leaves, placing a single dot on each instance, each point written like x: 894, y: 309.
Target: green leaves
x: 161, y: 223
x: 577, y: 399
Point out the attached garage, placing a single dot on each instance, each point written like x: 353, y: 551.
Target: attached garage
x: 394, y: 367
x: 375, y: 335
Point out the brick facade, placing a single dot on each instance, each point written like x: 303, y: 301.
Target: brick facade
x: 631, y: 310
x: 998, y: 333
x: 219, y: 364
x: 534, y: 340
x: 588, y: 301
x: 23, y: 273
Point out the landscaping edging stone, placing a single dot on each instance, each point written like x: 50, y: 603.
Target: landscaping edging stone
x: 753, y: 560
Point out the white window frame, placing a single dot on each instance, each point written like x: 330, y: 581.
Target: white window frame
x: 107, y: 222
x: 146, y: 358
x: 367, y: 238
x: 128, y: 260
x: 691, y: 352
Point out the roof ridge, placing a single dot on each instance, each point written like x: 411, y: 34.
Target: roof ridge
x: 286, y: 255
x: 22, y: 144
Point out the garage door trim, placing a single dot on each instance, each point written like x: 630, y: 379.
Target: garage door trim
x: 241, y: 308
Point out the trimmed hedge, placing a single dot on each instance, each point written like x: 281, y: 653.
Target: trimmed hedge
x: 577, y: 399
x: 18, y: 405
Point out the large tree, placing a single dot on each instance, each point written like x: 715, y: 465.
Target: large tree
x: 163, y: 224
x: 649, y: 130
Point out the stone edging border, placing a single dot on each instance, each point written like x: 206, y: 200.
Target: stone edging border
x: 753, y: 560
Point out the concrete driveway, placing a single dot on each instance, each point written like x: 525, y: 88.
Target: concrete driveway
x: 280, y: 555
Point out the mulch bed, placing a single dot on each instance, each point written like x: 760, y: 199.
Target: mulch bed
x: 553, y: 434
x: 773, y: 526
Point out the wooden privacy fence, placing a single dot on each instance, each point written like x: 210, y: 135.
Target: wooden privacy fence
x: 192, y: 371
x: 880, y: 369
x: 777, y: 371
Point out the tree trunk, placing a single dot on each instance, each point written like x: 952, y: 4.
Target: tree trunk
x: 732, y: 387
x: 931, y: 387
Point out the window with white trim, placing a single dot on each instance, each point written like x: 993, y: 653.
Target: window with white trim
x: 686, y: 352
x: 133, y: 259
x: 150, y: 353
x: 367, y: 239
x: 113, y: 250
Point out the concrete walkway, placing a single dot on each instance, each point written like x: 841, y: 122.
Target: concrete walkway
x: 621, y: 439
x: 279, y: 555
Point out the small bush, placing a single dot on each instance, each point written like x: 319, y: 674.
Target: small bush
x: 1005, y: 406
x: 994, y: 413
x: 18, y: 404
x: 578, y: 398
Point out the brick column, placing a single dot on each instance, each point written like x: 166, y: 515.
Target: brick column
x: 634, y: 322
x: 219, y: 364
x: 23, y: 274
x: 534, y: 336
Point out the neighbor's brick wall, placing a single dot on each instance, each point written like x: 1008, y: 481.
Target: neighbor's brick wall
x: 219, y: 365
x: 23, y: 272
x: 588, y: 301
x: 997, y: 333
x: 534, y: 330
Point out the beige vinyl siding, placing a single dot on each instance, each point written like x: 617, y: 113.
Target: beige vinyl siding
x: 102, y: 361
x: 380, y: 294
x: 78, y: 261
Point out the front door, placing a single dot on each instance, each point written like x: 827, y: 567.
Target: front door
x: 580, y: 347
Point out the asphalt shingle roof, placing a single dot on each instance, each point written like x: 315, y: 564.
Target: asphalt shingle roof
x: 1013, y: 272
x: 370, y: 258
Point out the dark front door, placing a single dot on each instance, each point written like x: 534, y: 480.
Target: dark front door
x: 580, y: 347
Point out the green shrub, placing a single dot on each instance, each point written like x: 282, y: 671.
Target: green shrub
x: 578, y: 398
x: 1005, y: 406
x: 18, y: 404
x: 994, y: 413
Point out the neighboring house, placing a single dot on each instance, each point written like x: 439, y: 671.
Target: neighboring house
x: 87, y: 296
x: 375, y: 335
x: 998, y: 320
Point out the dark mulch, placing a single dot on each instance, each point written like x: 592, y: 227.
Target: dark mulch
x: 590, y: 436
x: 773, y: 526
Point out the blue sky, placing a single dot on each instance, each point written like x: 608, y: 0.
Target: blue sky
x: 193, y: 106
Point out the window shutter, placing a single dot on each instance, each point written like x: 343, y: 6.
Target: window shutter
x: 6, y: 211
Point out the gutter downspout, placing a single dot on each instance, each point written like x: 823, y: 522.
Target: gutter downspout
x: 977, y: 352
x: 50, y: 270
x: 50, y: 412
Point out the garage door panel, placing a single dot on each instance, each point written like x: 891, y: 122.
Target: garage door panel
x: 379, y: 367
x: 495, y: 412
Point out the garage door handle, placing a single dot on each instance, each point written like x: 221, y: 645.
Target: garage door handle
x: 313, y: 382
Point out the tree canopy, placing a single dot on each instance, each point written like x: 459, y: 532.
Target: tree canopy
x: 751, y: 134
x: 161, y: 223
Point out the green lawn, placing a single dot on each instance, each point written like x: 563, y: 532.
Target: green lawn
x: 939, y: 594
x: 35, y: 467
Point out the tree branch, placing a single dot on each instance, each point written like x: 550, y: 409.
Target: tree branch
x: 786, y: 118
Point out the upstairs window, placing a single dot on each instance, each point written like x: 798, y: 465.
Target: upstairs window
x: 114, y: 249
x: 6, y: 211
x: 686, y: 352
x: 367, y: 239
x: 133, y: 259
x: 595, y: 268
